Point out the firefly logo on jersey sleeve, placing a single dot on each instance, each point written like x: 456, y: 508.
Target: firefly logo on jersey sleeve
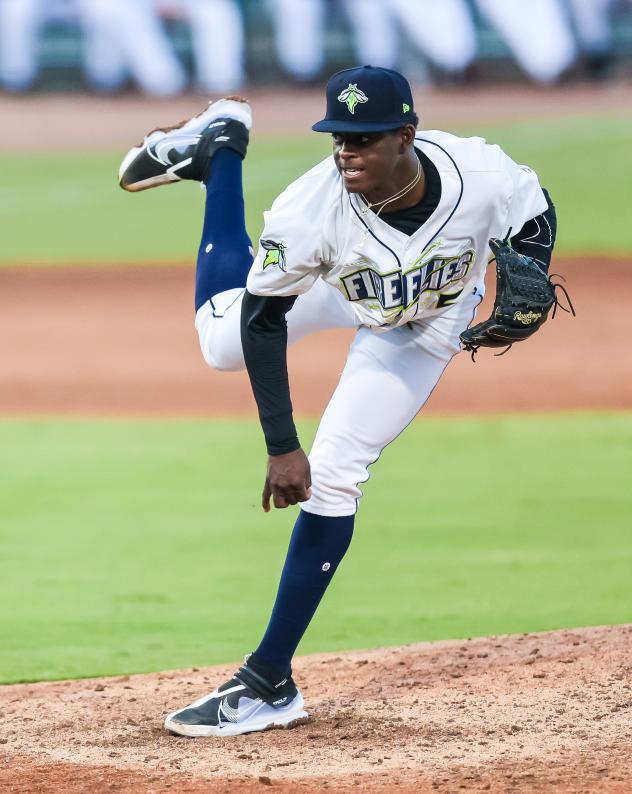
x: 352, y: 96
x: 397, y: 290
x: 275, y: 254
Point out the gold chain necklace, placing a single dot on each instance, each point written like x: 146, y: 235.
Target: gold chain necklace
x: 400, y: 194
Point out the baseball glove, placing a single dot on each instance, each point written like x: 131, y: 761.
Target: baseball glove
x: 524, y: 297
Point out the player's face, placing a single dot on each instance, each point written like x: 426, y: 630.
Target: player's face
x: 369, y: 162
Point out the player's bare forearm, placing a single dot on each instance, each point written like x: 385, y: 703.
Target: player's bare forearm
x: 288, y: 480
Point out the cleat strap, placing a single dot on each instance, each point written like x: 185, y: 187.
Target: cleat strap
x: 238, y: 137
x: 259, y: 685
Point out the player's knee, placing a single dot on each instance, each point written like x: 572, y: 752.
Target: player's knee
x: 209, y: 358
x: 225, y: 363
x: 220, y: 340
x: 222, y: 359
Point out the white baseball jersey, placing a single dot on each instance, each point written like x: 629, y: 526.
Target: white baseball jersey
x: 316, y: 229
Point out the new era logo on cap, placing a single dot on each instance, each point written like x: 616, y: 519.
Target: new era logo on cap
x: 367, y: 99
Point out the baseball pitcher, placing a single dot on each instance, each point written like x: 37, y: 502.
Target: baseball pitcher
x: 391, y: 235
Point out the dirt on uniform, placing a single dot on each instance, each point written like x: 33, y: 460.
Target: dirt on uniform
x: 529, y: 713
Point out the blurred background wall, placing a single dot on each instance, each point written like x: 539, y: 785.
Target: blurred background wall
x: 166, y: 47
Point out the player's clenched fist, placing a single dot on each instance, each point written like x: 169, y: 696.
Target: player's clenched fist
x: 288, y: 480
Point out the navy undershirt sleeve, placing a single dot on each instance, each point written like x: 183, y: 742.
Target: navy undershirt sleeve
x: 537, y: 237
x: 264, y: 342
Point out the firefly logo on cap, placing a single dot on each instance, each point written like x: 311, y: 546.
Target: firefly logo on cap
x: 352, y: 96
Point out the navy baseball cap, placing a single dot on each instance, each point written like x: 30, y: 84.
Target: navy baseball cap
x: 367, y: 99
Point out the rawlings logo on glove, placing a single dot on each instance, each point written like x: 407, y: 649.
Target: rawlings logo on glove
x: 528, y: 318
x: 524, y: 297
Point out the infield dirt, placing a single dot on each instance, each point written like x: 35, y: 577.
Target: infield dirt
x: 528, y: 713
x: 121, y: 341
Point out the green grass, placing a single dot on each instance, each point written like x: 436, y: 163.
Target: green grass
x: 67, y: 209
x: 132, y: 546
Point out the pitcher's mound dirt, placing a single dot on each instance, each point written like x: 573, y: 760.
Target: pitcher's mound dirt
x: 539, y: 712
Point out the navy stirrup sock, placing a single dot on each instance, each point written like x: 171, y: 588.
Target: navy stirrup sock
x: 317, y: 546
x: 225, y: 253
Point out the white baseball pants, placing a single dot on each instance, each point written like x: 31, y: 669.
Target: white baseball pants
x: 386, y: 381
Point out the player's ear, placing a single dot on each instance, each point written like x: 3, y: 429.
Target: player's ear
x: 407, y: 136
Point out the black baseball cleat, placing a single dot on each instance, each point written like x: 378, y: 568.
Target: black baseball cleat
x: 184, y: 151
x: 246, y: 703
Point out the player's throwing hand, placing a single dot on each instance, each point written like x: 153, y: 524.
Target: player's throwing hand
x: 288, y: 480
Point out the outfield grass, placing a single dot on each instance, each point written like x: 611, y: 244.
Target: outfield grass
x: 67, y: 208
x: 134, y: 546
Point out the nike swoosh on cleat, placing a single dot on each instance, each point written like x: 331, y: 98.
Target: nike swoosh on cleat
x: 179, y: 166
x: 161, y: 149
x: 236, y: 715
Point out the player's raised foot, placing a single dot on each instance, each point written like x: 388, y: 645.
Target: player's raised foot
x: 246, y: 703
x: 185, y: 151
